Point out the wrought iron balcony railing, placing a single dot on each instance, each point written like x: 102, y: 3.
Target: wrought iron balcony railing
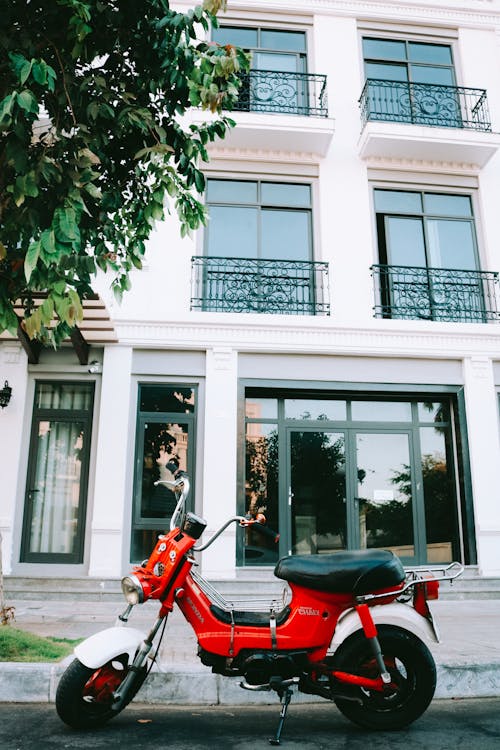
x: 248, y: 285
x: 425, y: 104
x: 436, y: 294
x: 283, y: 92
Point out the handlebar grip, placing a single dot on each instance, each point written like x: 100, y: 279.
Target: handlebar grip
x: 265, y: 531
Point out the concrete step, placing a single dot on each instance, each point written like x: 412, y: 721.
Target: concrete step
x: 263, y: 585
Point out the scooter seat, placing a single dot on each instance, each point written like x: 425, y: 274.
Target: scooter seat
x: 358, y: 572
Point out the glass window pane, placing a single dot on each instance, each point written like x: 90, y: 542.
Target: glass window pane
x: 286, y: 235
x: 428, y: 74
x: 318, y: 475
x: 165, y: 451
x: 433, y: 411
x: 283, y: 40
x: 447, y: 205
x: 439, y: 494
x: 384, y: 49
x: 430, y: 53
x: 405, y: 241
x: 77, y: 396
x: 277, y: 62
x: 386, y: 71
x: 397, y: 202
x: 232, y: 232
x: 240, y: 37
x: 261, y: 408
x: 285, y: 194
x: 231, y: 191
x: 311, y: 408
x: 451, y: 244
x: 384, y: 492
x: 261, y: 490
x: 55, y: 490
x: 381, y: 411
x: 166, y: 398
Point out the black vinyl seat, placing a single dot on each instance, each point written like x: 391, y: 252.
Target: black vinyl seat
x: 357, y: 572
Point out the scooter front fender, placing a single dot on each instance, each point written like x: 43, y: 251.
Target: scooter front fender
x: 396, y: 613
x: 101, y: 647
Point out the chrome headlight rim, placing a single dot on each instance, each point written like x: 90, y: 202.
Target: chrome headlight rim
x: 132, y: 590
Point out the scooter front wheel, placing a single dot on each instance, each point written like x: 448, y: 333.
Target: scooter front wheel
x: 85, y: 695
x: 413, y: 678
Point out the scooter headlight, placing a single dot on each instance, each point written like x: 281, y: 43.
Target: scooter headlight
x: 132, y: 590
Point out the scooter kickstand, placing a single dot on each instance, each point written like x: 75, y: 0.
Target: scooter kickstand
x: 286, y: 697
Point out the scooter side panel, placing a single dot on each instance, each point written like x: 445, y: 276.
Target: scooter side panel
x: 101, y: 647
x: 396, y: 613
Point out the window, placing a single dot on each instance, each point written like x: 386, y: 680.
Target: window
x: 411, y: 81
x: 258, y: 250
x: 334, y: 473
x: 428, y: 258
x: 56, y: 487
x: 278, y: 80
x: 165, y: 443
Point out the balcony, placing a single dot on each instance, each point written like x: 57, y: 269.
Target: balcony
x: 283, y: 93
x: 426, y: 122
x: 447, y: 295
x: 248, y: 285
x: 280, y: 111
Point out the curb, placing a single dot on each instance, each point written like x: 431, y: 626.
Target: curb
x: 190, y: 685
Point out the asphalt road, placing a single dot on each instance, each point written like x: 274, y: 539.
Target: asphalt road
x: 447, y: 725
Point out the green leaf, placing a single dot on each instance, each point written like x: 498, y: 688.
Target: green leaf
x: 48, y: 240
x: 25, y: 71
x: 31, y: 259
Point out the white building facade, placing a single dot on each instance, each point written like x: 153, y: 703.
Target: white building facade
x: 326, y: 349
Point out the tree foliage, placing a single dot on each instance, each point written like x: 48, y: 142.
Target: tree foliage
x: 95, y: 145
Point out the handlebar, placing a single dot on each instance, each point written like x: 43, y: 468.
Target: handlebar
x: 181, y: 486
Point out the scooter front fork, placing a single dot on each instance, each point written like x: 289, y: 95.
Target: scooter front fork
x: 370, y: 631
x: 120, y: 695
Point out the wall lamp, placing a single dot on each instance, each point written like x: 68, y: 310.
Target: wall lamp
x: 5, y: 394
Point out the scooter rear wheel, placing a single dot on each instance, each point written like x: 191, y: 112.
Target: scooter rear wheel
x: 413, y: 673
x: 84, y: 695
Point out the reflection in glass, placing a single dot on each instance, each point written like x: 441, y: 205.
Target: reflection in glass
x: 165, y: 451
x: 439, y: 495
x: 261, y: 490
x: 55, y: 494
x: 317, y: 462
x: 74, y: 396
x: 164, y: 398
x: 312, y: 408
x: 433, y: 411
x: 381, y: 411
x: 261, y: 408
x: 385, y: 492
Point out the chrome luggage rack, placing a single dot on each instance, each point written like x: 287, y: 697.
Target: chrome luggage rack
x: 247, y: 605
x: 416, y: 576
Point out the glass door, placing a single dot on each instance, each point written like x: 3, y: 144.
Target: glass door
x: 385, y: 491
x: 56, y: 493
x: 317, y: 491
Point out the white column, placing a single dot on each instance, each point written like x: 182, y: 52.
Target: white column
x: 481, y: 404
x: 219, y: 459
x: 13, y: 369
x: 113, y: 464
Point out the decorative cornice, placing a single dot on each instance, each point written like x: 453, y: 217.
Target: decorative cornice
x: 383, y: 338
x: 421, y: 165
x: 472, y: 12
x: 260, y: 154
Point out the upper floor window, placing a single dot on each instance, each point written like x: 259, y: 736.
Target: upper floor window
x: 418, y: 62
x: 254, y: 219
x: 414, y: 82
x: 258, y: 250
x: 428, y: 259
x: 278, y: 80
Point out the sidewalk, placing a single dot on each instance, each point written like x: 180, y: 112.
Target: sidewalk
x: 468, y: 658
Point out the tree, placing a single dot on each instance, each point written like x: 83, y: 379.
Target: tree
x: 94, y: 145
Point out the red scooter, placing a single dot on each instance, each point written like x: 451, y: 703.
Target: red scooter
x: 351, y: 631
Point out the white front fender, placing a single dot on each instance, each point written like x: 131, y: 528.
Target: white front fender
x: 396, y: 613
x: 101, y: 647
